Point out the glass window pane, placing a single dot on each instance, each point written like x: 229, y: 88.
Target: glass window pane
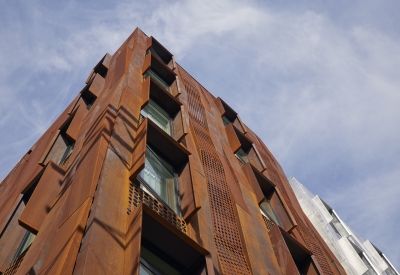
x: 152, y: 264
x: 157, y: 78
x: 160, y: 178
x: 268, y: 211
x: 226, y: 121
x: 155, y: 53
x: 27, y: 240
x: 242, y: 155
x: 161, y: 118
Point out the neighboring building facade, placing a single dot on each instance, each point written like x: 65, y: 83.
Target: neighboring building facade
x: 358, y: 257
x: 146, y: 172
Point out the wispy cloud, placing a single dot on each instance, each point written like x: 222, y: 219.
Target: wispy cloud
x: 317, y: 82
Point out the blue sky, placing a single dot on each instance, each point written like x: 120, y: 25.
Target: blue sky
x: 316, y: 80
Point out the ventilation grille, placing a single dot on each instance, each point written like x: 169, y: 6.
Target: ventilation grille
x: 13, y: 268
x: 138, y: 196
x: 226, y: 231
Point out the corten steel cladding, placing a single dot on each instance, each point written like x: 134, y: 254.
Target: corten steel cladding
x: 77, y: 189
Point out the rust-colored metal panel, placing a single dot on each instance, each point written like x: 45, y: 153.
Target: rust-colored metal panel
x: 235, y: 165
x: 45, y: 238
x: 106, y: 60
x: 90, y: 77
x: 126, y: 125
x: 259, y: 157
x: 233, y: 185
x: 61, y: 256
x: 139, y: 150
x: 11, y: 236
x: 281, y: 212
x: 254, y: 183
x: 282, y: 252
x: 179, y: 130
x: 75, y: 126
x: 146, y: 91
x: 120, y: 66
x: 188, y: 204
x: 220, y: 107
x: 146, y: 63
x: 91, y: 160
x: 254, y: 160
x: 106, y: 222
x: 41, y: 201
x: 242, y: 124
x: 97, y: 85
x: 149, y: 42
x: 287, y: 208
x: 232, y: 137
x: 230, y: 251
x: 174, y: 89
x: 133, y: 242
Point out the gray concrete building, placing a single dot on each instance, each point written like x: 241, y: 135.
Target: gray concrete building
x: 356, y: 255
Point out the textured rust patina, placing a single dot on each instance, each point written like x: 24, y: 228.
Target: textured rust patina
x: 76, y: 188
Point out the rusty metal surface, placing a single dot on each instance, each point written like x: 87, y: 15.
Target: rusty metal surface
x: 226, y: 233
x: 94, y: 200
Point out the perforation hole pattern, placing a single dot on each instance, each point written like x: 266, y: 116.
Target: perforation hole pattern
x: 226, y: 231
x: 13, y: 268
x: 306, y: 233
x: 268, y: 223
x: 138, y: 196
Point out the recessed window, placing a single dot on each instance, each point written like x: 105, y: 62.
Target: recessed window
x: 151, y: 264
x: 88, y: 98
x: 158, y: 79
x: 68, y: 151
x: 226, y: 120
x: 159, y: 179
x: 156, y: 114
x: 14, y: 237
x: 268, y: 211
x: 242, y: 155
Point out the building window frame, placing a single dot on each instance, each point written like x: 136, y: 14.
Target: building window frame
x: 146, y: 186
x: 146, y: 112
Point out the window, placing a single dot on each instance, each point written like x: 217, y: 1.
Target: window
x: 68, y: 151
x: 229, y: 116
x: 14, y: 239
x: 158, y: 50
x: 88, y: 99
x: 242, y: 155
x: 157, y: 78
x: 151, y: 264
x: 27, y: 240
x: 272, y: 206
x: 226, y: 121
x: 62, y: 147
x: 268, y: 211
x: 159, y: 179
x: 156, y: 114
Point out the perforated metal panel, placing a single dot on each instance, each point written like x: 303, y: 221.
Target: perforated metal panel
x: 226, y: 232
x: 268, y: 223
x: 13, y: 268
x: 305, y: 233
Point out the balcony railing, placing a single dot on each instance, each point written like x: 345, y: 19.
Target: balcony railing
x: 138, y: 196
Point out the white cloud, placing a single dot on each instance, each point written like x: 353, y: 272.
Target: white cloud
x: 322, y: 93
